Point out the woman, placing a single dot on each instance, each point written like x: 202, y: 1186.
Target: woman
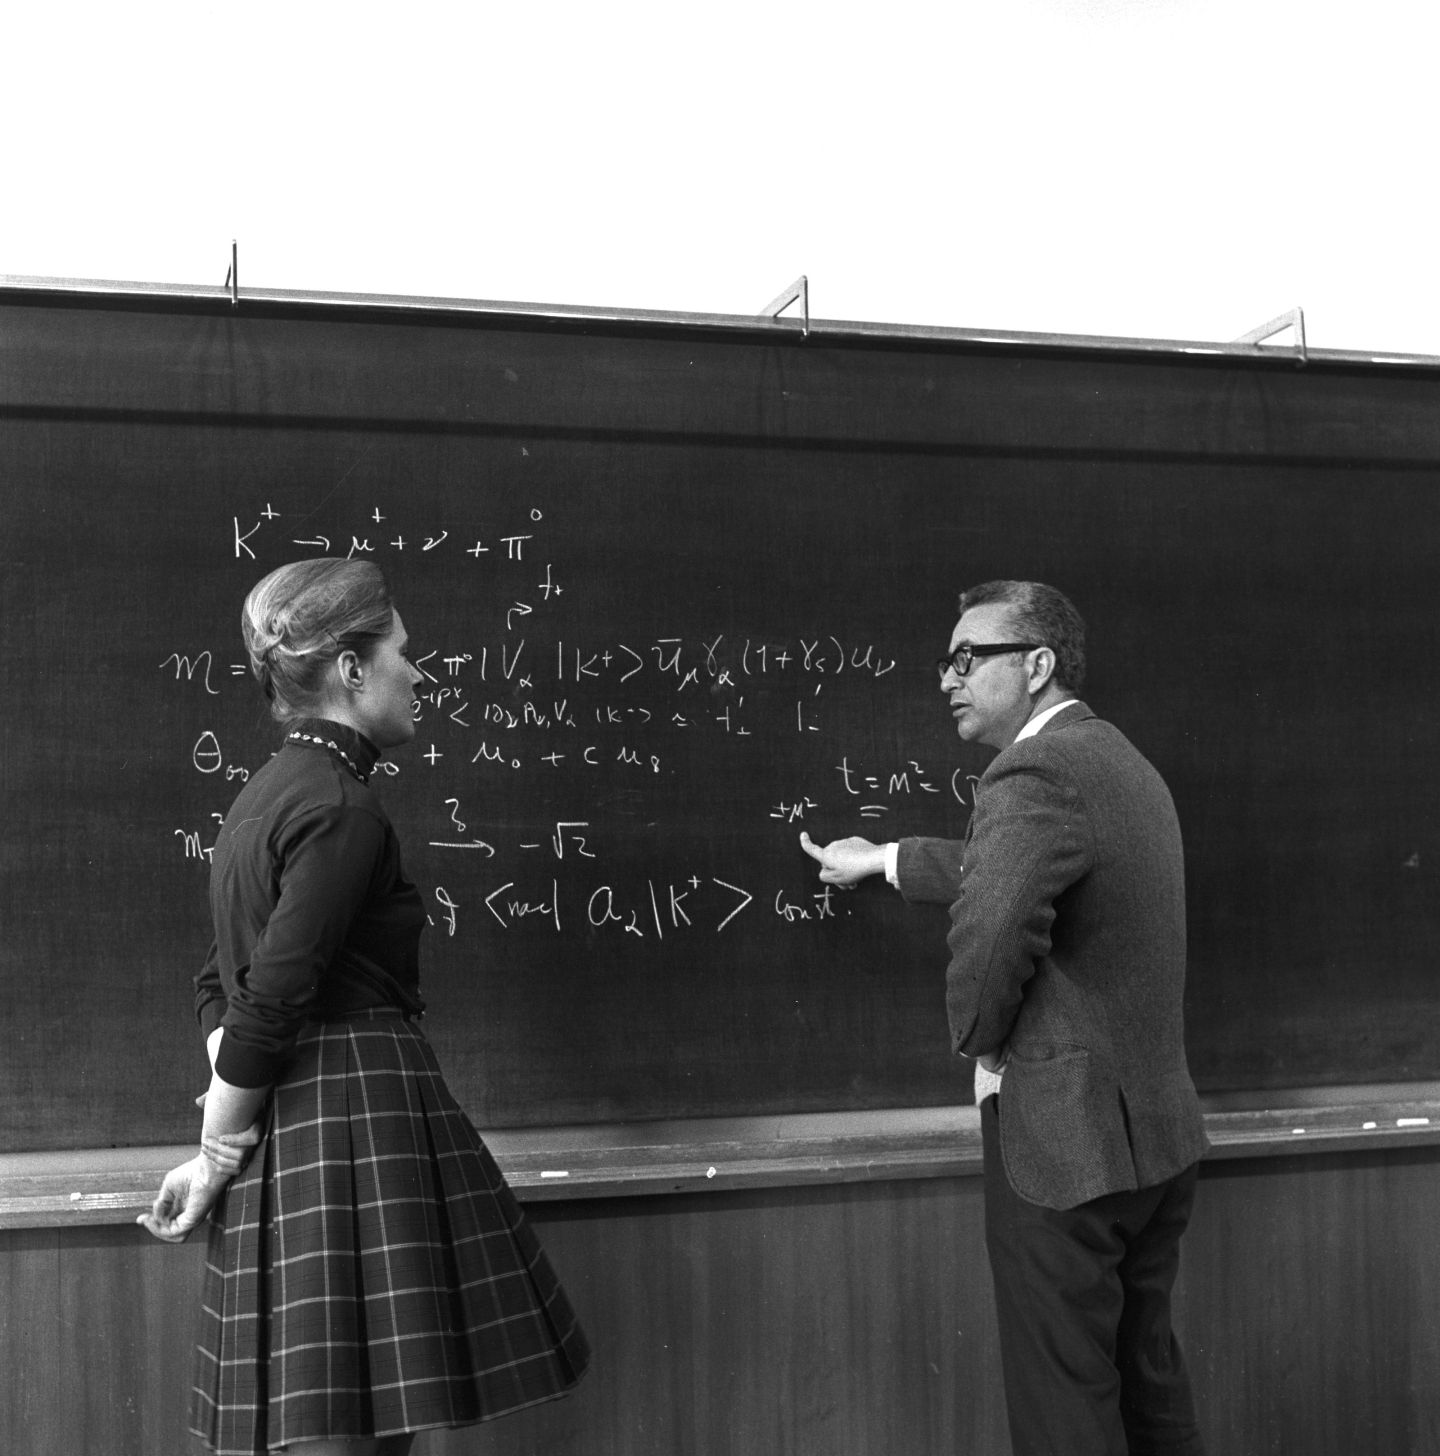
x: 369, y: 1273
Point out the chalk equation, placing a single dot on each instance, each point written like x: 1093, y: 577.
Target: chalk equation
x: 522, y: 707
x: 705, y: 688
x: 662, y: 907
x: 488, y: 555
x: 511, y: 546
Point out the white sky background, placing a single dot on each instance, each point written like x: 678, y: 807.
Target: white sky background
x: 1175, y: 169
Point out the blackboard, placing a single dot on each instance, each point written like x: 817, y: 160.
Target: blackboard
x: 678, y: 586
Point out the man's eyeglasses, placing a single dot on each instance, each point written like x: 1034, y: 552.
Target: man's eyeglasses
x: 963, y: 658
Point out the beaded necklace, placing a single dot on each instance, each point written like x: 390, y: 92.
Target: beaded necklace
x: 298, y: 737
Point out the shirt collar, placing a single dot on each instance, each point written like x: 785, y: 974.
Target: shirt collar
x: 1041, y: 719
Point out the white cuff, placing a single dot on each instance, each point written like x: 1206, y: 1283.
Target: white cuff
x: 892, y: 864
x: 987, y: 1083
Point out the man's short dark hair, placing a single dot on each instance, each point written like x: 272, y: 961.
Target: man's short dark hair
x: 1041, y: 615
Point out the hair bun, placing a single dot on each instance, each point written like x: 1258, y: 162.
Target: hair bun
x: 298, y: 618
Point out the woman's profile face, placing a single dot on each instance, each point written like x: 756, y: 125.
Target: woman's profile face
x: 384, y: 707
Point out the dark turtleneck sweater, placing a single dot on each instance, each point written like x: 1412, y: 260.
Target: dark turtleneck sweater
x: 314, y: 918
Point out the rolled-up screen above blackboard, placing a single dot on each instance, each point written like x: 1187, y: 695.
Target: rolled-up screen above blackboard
x: 678, y: 588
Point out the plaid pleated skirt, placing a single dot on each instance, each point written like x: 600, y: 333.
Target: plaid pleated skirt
x: 370, y: 1272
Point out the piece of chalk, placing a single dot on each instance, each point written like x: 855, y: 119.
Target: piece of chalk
x: 76, y: 1197
x: 710, y: 1172
x: 554, y: 1175
x: 1368, y: 1126
x: 1412, y: 1122
x: 1297, y: 1131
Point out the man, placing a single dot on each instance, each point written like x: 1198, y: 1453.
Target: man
x: 1066, y: 979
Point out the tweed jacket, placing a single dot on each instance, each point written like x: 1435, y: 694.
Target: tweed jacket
x: 1067, y: 951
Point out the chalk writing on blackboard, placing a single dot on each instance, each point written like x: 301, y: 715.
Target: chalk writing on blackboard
x: 621, y: 726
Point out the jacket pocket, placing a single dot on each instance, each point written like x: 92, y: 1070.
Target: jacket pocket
x: 1063, y: 1137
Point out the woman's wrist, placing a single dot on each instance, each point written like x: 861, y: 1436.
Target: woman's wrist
x: 218, y: 1161
x: 228, y: 1152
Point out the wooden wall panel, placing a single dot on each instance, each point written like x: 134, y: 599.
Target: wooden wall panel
x: 29, y: 1338
x: 96, y: 1330
x: 823, y: 1320
x: 848, y: 1320
x: 1313, y: 1304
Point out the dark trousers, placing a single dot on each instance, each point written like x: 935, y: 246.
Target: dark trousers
x: 1082, y: 1297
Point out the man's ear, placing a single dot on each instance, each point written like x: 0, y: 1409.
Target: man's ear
x: 1042, y: 669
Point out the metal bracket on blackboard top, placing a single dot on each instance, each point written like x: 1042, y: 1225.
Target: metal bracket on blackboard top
x: 798, y: 290
x: 232, y: 278
x: 1294, y: 319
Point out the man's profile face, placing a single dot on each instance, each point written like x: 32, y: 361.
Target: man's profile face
x: 992, y: 701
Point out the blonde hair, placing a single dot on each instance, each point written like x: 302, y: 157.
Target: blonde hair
x: 301, y: 617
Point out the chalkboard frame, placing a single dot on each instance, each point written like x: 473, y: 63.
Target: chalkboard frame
x: 730, y: 1155
x: 54, y: 394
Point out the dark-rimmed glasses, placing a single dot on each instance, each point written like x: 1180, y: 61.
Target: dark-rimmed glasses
x: 963, y: 658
